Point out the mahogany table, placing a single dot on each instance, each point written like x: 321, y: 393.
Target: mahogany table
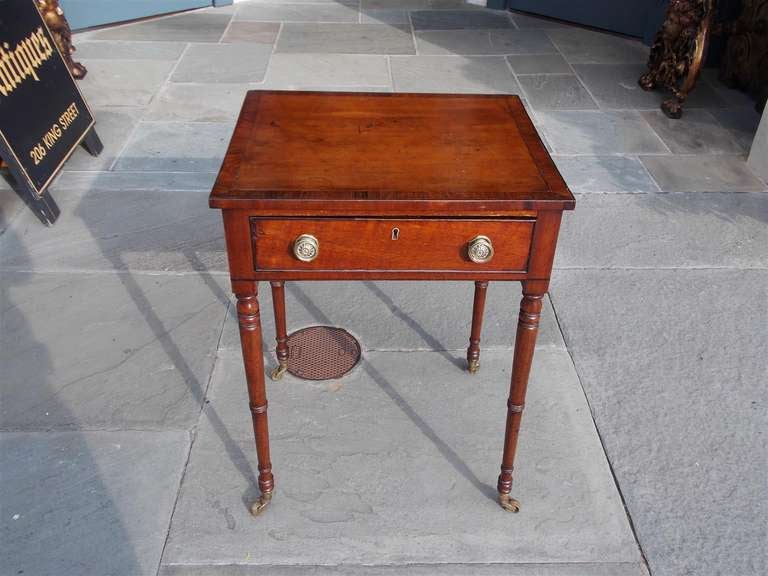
x: 350, y: 186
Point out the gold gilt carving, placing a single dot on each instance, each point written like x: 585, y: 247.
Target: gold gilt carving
x: 62, y: 34
x: 745, y: 64
x: 677, y: 52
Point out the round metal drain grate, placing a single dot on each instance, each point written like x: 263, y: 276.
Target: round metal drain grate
x: 322, y: 353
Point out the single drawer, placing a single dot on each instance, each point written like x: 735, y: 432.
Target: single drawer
x: 391, y: 244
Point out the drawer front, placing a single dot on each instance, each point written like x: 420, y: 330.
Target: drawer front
x: 390, y: 245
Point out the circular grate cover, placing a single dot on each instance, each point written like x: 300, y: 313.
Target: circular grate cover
x: 322, y: 353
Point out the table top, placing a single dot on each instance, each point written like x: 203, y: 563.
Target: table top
x: 325, y: 153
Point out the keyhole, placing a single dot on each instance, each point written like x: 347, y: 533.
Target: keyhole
x: 395, y: 233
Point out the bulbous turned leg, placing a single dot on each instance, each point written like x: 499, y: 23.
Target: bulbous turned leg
x: 478, y: 308
x: 281, y: 336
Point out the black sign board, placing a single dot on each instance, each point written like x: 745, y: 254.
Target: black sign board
x: 43, y: 115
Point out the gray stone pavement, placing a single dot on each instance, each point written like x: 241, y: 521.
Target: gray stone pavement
x: 125, y: 447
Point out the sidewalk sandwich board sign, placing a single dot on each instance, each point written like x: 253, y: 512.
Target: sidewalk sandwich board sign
x: 43, y: 115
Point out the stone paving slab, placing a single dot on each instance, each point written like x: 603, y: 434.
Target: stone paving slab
x: 665, y: 231
x: 316, y: 71
x: 123, y: 82
x: 371, y: 470
x: 459, y: 19
x: 700, y: 134
x: 615, y: 86
x: 176, y: 147
x: 399, y: 315
x: 191, y: 27
x: 556, y: 92
x: 195, y: 102
x: 599, y: 133
x: 132, y: 181
x: 522, y: 569
x: 106, y: 351
x: 483, y: 42
x: 114, y: 126
x: 87, y: 502
x: 539, y: 64
x: 231, y: 63
x: 460, y: 74
x: 673, y: 363
x: 702, y: 174
x: 322, y: 12
x: 605, y: 174
x: 583, y: 46
x: 127, y: 50
x: 153, y: 231
x: 345, y: 39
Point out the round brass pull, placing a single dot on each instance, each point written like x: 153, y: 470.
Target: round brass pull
x: 306, y: 247
x: 480, y: 249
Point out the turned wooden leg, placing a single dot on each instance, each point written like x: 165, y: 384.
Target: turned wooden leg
x: 527, y: 328
x: 281, y: 336
x: 478, y: 307
x: 250, y: 339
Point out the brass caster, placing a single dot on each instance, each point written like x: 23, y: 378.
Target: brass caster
x: 508, y: 503
x: 258, y: 506
x: 473, y: 366
x: 278, y: 372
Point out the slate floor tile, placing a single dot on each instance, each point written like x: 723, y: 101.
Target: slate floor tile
x: 140, y: 230
x: 256, y: 32
x: 399, y: 315
x: 527, y: 21
x: 741, y: 122
x: 556, y: 92
x: 385, y: 17
x: 346, y: 39
x: 458, y: 19
x: 128, y: 50
x: 539, y: 64
x: 198, y: 102
x: 488, y: 74
x: 599, y: 133
x: 113, y: 125
x: 176, y: 147
x: 697, y: 133
x: 110, y: 351
x: 323, y: 12
x: 394, y: 4
x: 182, y: 28
x: 130, y: 181
x: 342, y: 457
x: 582, y: 46
x: 88, y: 502
x: 342, y: 71
x: 223, y: 63
x: 615, y: 87
x: 665, y: 231
x: 605, y: 174
x: 482, y: 42
x: 674, y: 346
x: 123, y: 82
x: 702, y: 174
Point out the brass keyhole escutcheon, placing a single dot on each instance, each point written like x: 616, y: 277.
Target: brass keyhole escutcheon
x: 395, y: 233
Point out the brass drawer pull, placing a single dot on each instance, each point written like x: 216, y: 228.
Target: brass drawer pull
x: 480, y: 249
x: 306, y: 247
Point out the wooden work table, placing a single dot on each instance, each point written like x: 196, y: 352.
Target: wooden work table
x: 350, y: 186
